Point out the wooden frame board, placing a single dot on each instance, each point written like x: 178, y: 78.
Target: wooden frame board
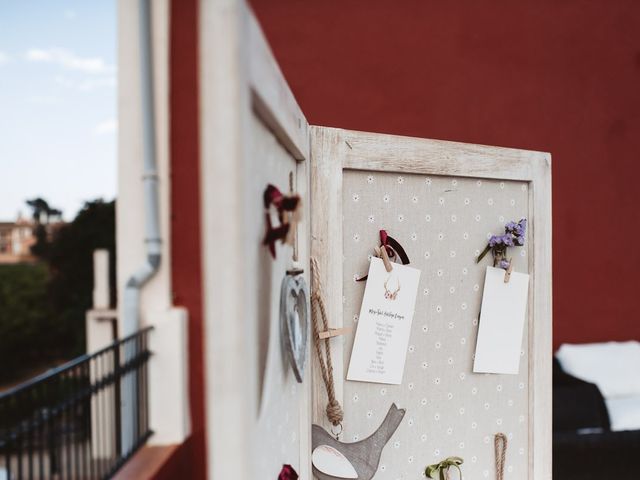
x: 335, y: 151
x: 246, y: 105
x: 247, y: 114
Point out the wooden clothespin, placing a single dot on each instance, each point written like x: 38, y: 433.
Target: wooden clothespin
x: 334, y: 332
x: 507, y: 272
x: 382, y: 253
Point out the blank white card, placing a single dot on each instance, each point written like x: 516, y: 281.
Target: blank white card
x: 502, y: 319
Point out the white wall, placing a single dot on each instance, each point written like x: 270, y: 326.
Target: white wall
x: 169, y: 416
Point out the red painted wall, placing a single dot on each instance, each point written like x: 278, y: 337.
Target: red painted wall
x: 557, y: 76
x: 186, y: 271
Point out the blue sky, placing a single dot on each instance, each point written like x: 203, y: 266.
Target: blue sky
x: 58, y: 120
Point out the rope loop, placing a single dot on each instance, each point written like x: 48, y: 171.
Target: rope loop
x: 319, y: 315
x: 500, y: 444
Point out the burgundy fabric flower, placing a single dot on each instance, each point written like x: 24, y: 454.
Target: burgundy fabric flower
x: 289, y: 212
x: 287, y: 473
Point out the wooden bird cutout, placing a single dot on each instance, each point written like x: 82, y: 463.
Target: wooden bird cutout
x: 363, y: 455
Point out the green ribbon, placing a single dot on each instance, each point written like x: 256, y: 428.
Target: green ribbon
x: 443, y: 467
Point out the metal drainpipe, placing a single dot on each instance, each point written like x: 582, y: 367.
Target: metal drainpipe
x: 152, y: 238
x: 131, y: 316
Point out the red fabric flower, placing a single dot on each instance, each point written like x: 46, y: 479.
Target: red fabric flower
x: 289, y: 212
x: 288, y: 473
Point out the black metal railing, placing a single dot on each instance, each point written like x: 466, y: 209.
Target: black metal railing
x: 80, y: 421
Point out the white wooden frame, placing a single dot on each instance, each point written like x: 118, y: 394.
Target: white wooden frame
x: 334, y: 150
x: 239, y: 77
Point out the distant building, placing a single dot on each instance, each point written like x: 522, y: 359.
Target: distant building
x: 17, y: 238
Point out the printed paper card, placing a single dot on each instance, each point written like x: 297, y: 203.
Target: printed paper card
x: 502, y: 320
x: 384, y: 326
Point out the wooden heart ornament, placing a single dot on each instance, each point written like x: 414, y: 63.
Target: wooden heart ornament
x: 294, y: 321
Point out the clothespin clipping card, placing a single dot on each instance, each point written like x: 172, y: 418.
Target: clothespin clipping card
x: 381, y: 252
x: 507, y: 273
x: 389, y: 248
x: 397, y: 251
x: 334, y: 332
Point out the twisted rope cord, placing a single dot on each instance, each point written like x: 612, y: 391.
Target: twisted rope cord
x: 318, y: 313
x: 500, y: 444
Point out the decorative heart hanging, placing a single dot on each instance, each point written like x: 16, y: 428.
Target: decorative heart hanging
x: 333, y: 459
x: 294, y: 320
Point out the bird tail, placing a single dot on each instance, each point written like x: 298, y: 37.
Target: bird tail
x: 390, y: 424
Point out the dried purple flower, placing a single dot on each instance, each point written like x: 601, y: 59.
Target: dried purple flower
x: 515, y: 234
x: 504, y: 264
x: 517, y: 229
x: 523, y: 226
x: 507, y: 239
x: 510, y: 227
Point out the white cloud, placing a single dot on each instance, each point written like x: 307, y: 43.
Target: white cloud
x: 69, y: 60
x: 70, y: 14
x: 88, y: 84
x: 107, y: 127
x: 44, y: 100
x: 93, y: 83
x: 4, y: 57
x: 65, y: 82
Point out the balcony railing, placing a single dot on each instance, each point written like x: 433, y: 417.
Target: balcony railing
x: 82, y: 420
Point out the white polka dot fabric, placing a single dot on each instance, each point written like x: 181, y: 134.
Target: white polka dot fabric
x: 276, y: 419
x: 443, y: 223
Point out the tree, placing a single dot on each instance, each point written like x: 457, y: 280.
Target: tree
x: 70, y: 259
x: 42, y: 214
x: 24, y: 315
x: 43, y: 304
